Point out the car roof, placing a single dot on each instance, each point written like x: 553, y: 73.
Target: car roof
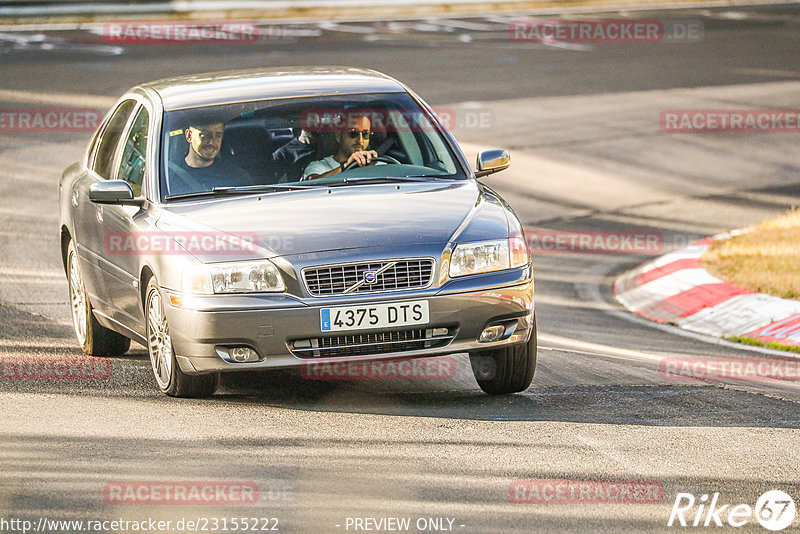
x: 208, y: 89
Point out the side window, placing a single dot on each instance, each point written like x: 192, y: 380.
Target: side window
x: 131, y: 165
x: 93, y: 145
x: 104, y: 158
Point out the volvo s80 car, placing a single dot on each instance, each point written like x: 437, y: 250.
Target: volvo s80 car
x: 264, y: 219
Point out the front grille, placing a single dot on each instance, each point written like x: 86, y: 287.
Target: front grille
x: 390, y: 275
x: 368, y: 344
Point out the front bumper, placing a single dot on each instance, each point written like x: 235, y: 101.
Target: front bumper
x: 204, y: 327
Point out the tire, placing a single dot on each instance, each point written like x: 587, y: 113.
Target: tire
x: 94, y: 338
x: 169, y: 377
x: 506, y: 370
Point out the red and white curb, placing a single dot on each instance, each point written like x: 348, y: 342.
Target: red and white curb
x: 676, y: 289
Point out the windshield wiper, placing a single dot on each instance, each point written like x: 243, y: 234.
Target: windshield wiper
x: 258, y: 188
x: 238, y: 190
x: 363, y: 179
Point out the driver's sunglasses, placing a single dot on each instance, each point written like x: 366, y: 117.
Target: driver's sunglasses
x: 355, y: 133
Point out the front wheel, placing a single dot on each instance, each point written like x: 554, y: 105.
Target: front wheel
x: 507, y: 369
x: 169, y: 377
x: 95, y: 339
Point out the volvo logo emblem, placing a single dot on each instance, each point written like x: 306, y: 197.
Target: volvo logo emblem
x: 370, y: 277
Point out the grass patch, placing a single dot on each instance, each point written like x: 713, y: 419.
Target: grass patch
x: 765, y: 259
x: 758, y: 343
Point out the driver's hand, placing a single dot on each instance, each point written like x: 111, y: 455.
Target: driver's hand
x: 362, y: 157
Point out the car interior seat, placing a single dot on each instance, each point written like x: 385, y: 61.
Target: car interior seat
x: 248, y: 145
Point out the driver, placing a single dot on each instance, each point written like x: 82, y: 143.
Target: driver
x: 351, y: 146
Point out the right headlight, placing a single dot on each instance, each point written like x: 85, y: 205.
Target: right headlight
x: 234, y: 277
x: 488, y: 256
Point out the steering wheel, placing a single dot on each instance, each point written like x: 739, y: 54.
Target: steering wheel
x: 384, y: 159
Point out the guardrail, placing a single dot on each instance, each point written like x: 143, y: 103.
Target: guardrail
x: 20, y: 11
x: 88, y: 10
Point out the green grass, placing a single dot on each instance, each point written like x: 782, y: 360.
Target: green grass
x: 744, y: 340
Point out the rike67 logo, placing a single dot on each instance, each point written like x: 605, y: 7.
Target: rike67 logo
x: 774, y: 510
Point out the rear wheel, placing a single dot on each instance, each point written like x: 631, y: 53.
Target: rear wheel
x: 507, y: 369
x: 169, y: 377
x: 95, y: 339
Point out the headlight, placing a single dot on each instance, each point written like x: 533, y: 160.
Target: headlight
x: 239, y: 277
x: 487, y: 256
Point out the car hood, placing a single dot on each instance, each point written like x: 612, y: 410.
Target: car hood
x: 317, y: 220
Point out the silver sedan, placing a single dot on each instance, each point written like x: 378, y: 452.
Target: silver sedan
x: 252, y: 220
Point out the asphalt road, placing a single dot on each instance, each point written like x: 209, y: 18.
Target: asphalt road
x: 588, y: 155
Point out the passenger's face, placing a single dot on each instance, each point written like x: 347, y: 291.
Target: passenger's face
x: 348, y: 143
x: 205, y: 141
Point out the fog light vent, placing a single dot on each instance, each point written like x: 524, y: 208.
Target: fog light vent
x: 241, y: 354
x: 492, y: 333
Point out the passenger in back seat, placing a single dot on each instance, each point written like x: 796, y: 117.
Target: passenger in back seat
x: 296, y: 154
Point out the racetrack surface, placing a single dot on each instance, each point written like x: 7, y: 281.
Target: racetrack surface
x: 588, y: 156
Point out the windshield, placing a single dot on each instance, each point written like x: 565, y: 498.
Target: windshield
x: 301, y: 143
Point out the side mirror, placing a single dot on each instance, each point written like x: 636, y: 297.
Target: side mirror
x: 113, y: 192
x: 491, y: 161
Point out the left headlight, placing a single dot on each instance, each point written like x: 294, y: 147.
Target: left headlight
x: 487, y: 256
x: 236, y: 277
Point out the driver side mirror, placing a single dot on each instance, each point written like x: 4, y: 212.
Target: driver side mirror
x: 116, y: 192
x: 491, y: 161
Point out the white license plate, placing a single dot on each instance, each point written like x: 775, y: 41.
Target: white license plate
x: 373, y: 316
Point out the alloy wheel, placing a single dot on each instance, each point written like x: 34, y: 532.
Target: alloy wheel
x: 77, y: 297
x: 159, y: 343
